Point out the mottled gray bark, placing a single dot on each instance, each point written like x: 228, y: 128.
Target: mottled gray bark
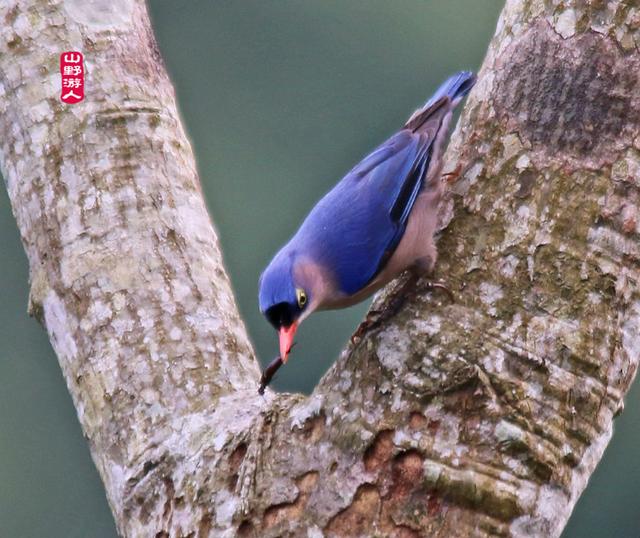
x: 479, y: 417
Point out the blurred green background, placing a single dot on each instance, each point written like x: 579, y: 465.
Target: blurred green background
x: 280, y: 99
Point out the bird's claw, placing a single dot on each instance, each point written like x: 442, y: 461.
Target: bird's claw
x: 388, y: 309
x: 369, y: 322
x: 454, y: 175
x: 440, y: 286
x: 392, y: 305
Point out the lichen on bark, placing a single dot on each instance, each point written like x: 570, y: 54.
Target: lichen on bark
x: 483, y: 416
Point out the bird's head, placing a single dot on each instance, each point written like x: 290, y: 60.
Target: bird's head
x: 286, y: 298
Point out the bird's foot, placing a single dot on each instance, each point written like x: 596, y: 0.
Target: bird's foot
x: 438, y: 285
x: 392, y: 305
x: 388, y: 309
x: 454, y: 175
x: 369, y: 322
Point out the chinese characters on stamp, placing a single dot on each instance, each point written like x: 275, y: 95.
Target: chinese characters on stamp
x: 72, y: 71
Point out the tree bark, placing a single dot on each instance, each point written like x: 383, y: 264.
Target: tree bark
x: 479, y: 417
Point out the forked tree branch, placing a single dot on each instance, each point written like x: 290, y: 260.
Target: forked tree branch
x: 479, y: 417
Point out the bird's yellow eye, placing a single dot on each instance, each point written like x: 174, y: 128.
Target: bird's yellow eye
x: 301, y: 296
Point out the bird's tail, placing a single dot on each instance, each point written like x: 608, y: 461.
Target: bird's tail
x: 450, y: 92
x: 455, y: 87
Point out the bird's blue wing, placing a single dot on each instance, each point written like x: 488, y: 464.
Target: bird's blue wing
x: 356, y: 227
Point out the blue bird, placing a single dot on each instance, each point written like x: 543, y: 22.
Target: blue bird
x: 378, y: 221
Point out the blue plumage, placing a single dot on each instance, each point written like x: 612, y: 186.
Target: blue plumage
x: 377, y: 221
x: 362, y: 218
x: 454, y: 87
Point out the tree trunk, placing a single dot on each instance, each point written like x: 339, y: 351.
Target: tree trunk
x: 479, y: 417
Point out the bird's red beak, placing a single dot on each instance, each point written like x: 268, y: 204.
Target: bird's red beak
x: 286, y: 339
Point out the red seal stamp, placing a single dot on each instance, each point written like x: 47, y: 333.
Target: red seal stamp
x: 72, y: 71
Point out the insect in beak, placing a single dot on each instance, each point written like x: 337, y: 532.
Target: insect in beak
x: 269, y: 372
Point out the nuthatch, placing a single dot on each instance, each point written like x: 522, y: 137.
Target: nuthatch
x: 378, y: 221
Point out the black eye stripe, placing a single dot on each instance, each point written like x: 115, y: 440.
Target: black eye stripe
x: 280, y: 315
